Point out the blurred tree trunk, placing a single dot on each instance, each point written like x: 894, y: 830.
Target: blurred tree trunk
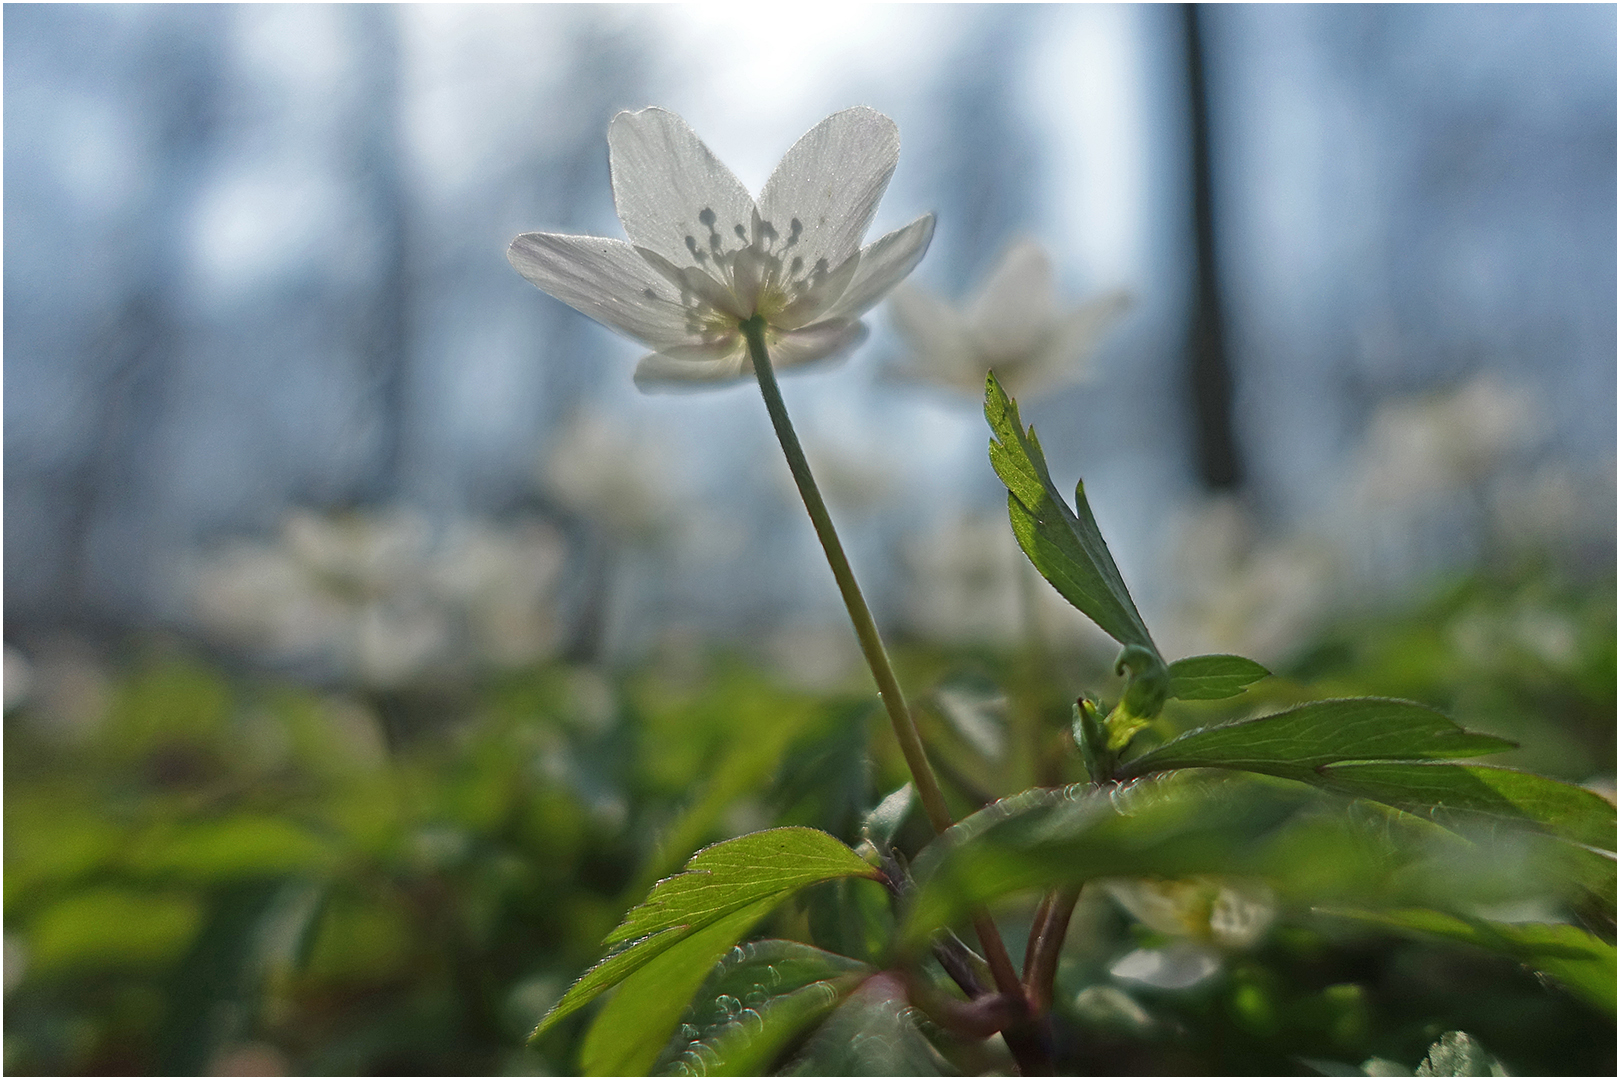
x: 135, y: 355
x: 1209, y: 373
x: 381, y: 327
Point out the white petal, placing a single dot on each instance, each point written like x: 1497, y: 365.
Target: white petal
x: 821, y: 341
x: 939, y: 350
x: 1073, y: 340
x: 883, y: 265
x: 670, y: 189
x: 1021, y: 282
x: 658, y: 373
x: 830, y: 181
x: 605, y: 279
x: 1175, y: 967
x: 695, y: 282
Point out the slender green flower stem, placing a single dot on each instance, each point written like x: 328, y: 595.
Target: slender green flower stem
x: 877, y: 658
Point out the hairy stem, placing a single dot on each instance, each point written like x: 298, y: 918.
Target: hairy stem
x: 877, y: 658
x: 1046, y: 945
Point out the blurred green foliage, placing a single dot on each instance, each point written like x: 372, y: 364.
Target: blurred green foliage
x: 226, y: 872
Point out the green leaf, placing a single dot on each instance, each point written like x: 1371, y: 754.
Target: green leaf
x: 218, y: 987
x: 230, y: 848
x: 111, y: 927
x: 1564, y: 810
x: 1310, y: 846
x: 1592, y: 870
x: 1583, y: 963
x: 755, y: 1003
x: 1297, y: 743
x: 627, y: 1035
x: 1458, y: 1053
x: 873, y: 1033
x: 1166, y: 828
x: 1064, y: 545
x: 752, y: 873
x: 750, y: 758
x: 1205, y: 678
x: 882, y: 825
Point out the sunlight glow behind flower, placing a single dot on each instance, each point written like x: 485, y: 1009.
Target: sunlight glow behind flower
x: 703, y: 256
x: 1011, y: 325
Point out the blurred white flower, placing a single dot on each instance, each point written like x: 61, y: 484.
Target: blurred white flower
x: 381, y: 598
x: 1237, y: 593
x: 968, y: 582
x: 1434, y: 479
x: 1415, y: 449
x: 964, y: 581
x: 1204, y: 916
x: 1012, y: 325
x: 703, y: 256
x: 19, y: 678
x: 67, y: 687
x: 601, y: 470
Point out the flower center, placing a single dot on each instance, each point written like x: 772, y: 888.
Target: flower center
x: 758, y: 272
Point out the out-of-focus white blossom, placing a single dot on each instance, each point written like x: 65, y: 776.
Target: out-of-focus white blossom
x: 964, y: 581
x: 1235, y: 593
x: 382, y: 598
x: 1434, y: 480
x: 703, y: 256
x: 1205, y: 917
x: 67, y: 687
x: 1012, y: 325
x: 968, y: 582
x: 601, y: 470
x: 1414, y: 449
x: 19, y: 678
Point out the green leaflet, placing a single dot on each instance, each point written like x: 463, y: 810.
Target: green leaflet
x: 1583, y: 963
x: 1064, y: 545
x: 734, y: 882
x: 1310, y: 846
x: 1206, y: 678
x: 772, y: 721
x: 1457, y: 1053
x: 1299, y: 742
x: 873, y: 1033
x: 1163, y: 828
x: 1564, y: 810
x: 754, y: 1003
x: 627, y: 1035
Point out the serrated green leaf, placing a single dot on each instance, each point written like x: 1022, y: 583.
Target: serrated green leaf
x: 721, y: 881
x: 753, y: 1005
x: 732, y: 873
x: 1310, y: 846
x: 635, y: 1024
x: 1564, y: 810
x: 1457, y: 1053
x: 1577, y: 959
x: 1206, y: 678
x: 747, y: 764
x: 1064, y: 545
x: 1297, y: 743
x: 873, y: 1033
x: 1041, y: 839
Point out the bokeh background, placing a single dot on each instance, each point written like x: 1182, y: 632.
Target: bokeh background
x: 286, y: 437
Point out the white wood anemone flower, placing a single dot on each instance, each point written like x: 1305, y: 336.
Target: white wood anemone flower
x: 1012, y: 325
x: 704, y: 256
